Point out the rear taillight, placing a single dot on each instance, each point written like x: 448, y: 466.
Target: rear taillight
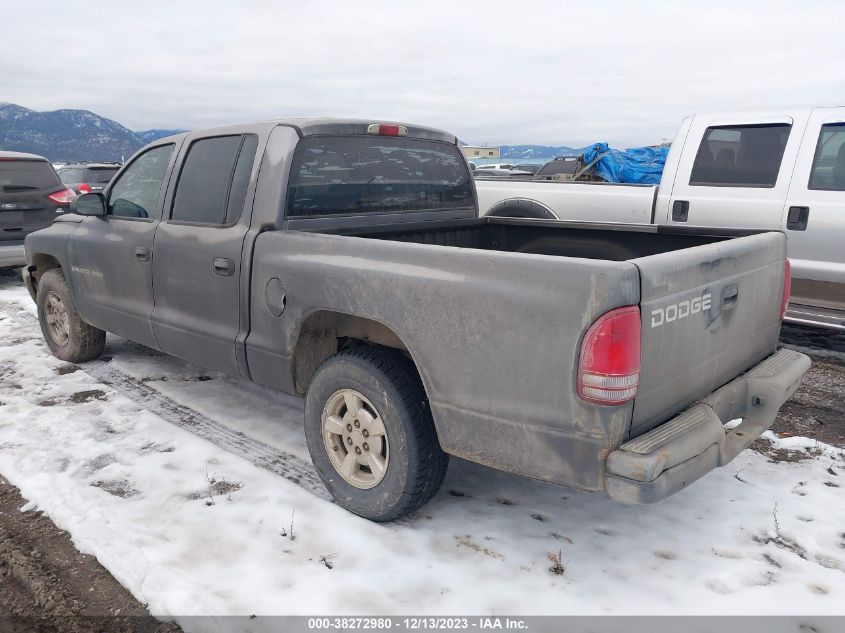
x: 387, y: 129
x: 63, y: 196
x: 787, y: 288
x: 84, y: 188
x: 609, y: 368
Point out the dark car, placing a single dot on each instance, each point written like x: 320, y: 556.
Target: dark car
x: 561, y: 168
x: 31, y: 195
x: 85, y: 177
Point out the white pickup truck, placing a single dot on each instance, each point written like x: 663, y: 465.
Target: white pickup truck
x: 776, y: 169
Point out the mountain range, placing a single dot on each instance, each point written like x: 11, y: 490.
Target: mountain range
x: 536, y: 152
x: 68, y: 135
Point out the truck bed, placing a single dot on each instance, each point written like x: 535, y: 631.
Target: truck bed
x: 555, y: 279
x: 683, y: 359
x: 603, y: 241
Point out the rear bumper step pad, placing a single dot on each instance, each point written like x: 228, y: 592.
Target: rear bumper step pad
x: 673, y: 455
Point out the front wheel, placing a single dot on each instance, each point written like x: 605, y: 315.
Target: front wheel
x: 370, y: 433
x: 67, y: 335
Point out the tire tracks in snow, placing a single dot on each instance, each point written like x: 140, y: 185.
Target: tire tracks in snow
x: 281, y: 463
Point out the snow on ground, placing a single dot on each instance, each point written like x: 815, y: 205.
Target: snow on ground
x: 136, y: 492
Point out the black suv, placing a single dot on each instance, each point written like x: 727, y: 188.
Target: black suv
x: 85, y: 177
x: 31, y: 195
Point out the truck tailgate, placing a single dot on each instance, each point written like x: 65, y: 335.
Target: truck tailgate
x: 708, y: 314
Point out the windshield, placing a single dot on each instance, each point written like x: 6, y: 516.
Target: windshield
x: 348, y: 175
x: 558, y: 167
x: 27, y: 175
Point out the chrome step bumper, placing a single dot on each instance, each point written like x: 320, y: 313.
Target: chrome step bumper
x: 815, y: 317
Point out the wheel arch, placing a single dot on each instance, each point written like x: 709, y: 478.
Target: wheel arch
x: 522, y: 208
x: 323, y: 332
x: 40, y: 264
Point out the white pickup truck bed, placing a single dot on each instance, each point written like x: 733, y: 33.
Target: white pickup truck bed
x: 574, y: 201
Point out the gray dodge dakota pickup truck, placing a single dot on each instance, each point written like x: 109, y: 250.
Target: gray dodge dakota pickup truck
x: 345, y: 261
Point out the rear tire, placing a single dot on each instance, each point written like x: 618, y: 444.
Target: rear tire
x: 67, y: 335
x: 371, y: 435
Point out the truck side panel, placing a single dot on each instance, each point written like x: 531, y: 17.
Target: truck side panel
x: 576, y: 201
x: 495, y: 337
x: 814, y: 220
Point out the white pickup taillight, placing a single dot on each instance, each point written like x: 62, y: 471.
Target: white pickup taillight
x: 609, y: 367
x: 787, y: 288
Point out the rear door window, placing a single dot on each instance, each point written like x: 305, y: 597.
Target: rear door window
x: 240, y: 179
x: 214, y: 178
x: 828, y: 171
x: 352, y: 175
x: 27, y: 175
x: 740, y: 155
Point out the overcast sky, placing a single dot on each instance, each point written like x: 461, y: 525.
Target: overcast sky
x: 489, y: 71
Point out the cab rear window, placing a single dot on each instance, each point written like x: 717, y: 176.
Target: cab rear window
x: 27, y: 175
x: 352, y: 175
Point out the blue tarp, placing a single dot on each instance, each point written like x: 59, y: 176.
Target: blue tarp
x: 638, y: 165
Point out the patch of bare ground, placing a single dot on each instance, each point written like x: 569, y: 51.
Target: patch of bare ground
x: 775, y: 455
x: 47, y: 585
x: 80, y: 397
x: 816, y: 409
x: 87, y: 396
x: 465, y: 540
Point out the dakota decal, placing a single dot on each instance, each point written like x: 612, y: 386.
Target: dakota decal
x: 86, y: 271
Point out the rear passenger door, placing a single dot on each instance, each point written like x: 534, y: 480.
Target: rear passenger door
x: 198, y: 248
x: 814, y: 213
x: 738, y: 174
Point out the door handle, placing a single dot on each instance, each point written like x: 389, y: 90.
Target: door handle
x: 797, y: 218
x: 142, y: 254
x: 730, y: 295
x: 680, y: 210
x: 223, y: 266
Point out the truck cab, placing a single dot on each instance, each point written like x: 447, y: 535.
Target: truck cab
x: 781, y: 170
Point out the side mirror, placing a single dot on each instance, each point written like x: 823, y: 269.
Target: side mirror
x: 89, y: 204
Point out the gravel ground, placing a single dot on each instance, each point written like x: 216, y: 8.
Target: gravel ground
x: 817, y: 409
x: 47, y: 585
